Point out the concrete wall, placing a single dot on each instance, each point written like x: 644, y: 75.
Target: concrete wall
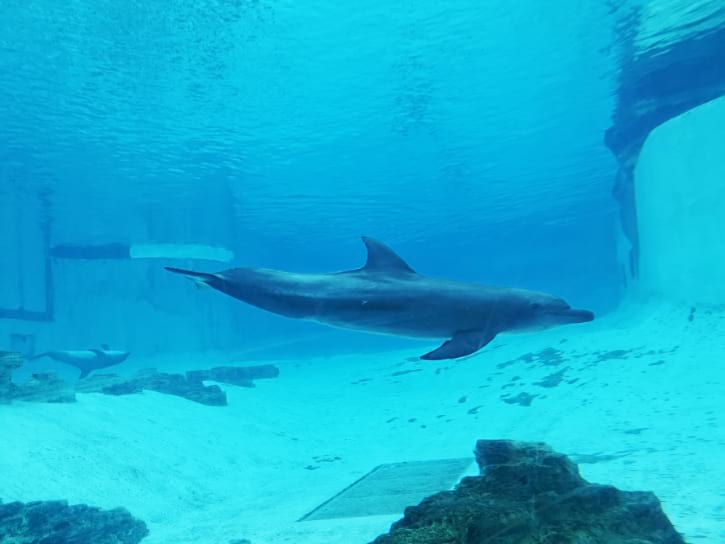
x: 680, y: 191
x: 131, y: 304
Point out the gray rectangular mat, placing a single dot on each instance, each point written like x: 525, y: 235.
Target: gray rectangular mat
x: 389, y: 488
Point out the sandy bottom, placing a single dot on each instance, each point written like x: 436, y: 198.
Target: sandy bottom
x: 638, y: 398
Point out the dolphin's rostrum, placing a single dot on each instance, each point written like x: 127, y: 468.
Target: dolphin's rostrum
x: 387, y: 296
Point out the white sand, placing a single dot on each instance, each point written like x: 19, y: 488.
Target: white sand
x: 212, y: 474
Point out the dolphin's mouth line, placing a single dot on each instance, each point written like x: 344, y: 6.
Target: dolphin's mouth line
x: 580, y: 316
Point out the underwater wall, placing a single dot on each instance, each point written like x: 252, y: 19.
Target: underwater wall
x: 680, y: 191
x: 102, y: 291
x: 670, y: 61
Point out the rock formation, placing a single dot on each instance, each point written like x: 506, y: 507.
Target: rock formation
x: 42, y: 387
x: 190, y: 386
x: 45, y: 387
x: 48, y: 387
x: 243, y: 376
x: 151, y: 380
x: 529, y: 494
x: 55, y: 522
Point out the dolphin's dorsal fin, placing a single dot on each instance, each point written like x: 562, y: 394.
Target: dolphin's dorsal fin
x: 383, y: 259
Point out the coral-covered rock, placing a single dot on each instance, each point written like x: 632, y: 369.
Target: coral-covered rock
x: 55, y: 522
x: 529, y: 494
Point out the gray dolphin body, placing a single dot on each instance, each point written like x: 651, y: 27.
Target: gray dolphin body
x: 86, y: 360
x: 387, y: 296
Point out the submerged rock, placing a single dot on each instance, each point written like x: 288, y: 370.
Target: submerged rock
x: 180, y: 385
x: 55, y: 522
x: 42, y: 387
x: 161, y: 382
x: 243, y: 376
x: 45, y: 387
x: 529, y: 494
x: 48, y: 387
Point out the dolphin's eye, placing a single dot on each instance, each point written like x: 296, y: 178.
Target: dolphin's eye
x: 535, y: 305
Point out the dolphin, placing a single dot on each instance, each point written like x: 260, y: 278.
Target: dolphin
x: 87, y: 360
x: 387, y: 296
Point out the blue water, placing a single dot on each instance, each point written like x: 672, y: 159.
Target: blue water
x: 286, y: 133
x: 469, y: 136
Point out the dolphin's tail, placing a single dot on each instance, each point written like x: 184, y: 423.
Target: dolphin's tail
x: 199, y: 278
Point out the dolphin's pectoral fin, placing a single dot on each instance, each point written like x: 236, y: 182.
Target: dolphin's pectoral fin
x: 84, y: 373
x: 462, y: 344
